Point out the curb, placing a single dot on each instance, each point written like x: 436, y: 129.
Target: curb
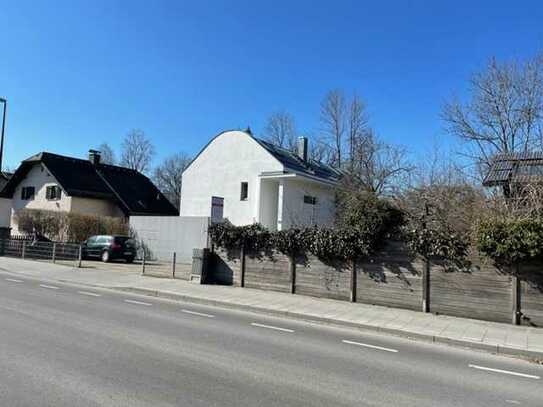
x: 496, y: 349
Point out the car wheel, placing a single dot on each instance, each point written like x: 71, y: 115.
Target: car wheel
x: 129, y: 260
x: 105, y: 256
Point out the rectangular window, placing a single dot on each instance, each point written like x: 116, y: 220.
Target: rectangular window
x: 310, y: 200
x: 27, y: 193
x: 53, y: 193
x: 244, y: 191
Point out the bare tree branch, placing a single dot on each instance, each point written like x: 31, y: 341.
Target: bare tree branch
x: 168, y: 175
x: 137, y: 151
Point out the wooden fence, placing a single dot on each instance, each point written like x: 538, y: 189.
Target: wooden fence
x: 394, y: 278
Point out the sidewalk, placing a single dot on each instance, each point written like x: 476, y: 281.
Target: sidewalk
x: 489, y: 336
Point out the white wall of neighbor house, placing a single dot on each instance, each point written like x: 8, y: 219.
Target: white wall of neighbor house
x: 230, y: 159
x: 100, y: 207
x: 39, y: 178
x: 295, y: 212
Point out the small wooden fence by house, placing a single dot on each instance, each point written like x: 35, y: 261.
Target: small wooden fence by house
x: 394, y: 278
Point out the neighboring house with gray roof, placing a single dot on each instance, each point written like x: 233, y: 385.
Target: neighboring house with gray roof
x: 248, y: 180
x: 54, y: 182
x: 513, y: 171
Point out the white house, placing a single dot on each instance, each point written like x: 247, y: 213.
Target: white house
x: 53, y: 182
x: 246, y: 180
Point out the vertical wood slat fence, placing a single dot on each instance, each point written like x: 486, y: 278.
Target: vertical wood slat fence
x: 394, y: 278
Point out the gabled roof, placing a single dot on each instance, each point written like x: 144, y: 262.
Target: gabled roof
x: 522, y: 168
x: 133, y: 192
x: 289, y: 160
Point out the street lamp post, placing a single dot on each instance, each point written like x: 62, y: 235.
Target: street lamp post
x: 5, y: 102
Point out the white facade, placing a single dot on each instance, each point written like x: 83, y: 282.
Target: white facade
x: 40, y: 178
x: 275, y: 195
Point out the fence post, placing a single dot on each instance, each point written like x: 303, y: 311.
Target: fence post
x: 353, y: 281
x: 143, y: 262
x: 80, y: 256
x: 516, y: 296
x: 426, y: 286
x: 54, y: 255
x: 173, y: 264
x: 23, y: 250
x: 242, y: 266
x: 292, y: 274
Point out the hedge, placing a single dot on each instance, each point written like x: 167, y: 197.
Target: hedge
x: 65, y: 226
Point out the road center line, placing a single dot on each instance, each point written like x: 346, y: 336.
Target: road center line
x: 14, y: 280
x: 271, y: 327
x: 138, y: 302
x: 201, y: 314
x: 365, y: 345
x: 89, y: 293
x: 51, y: 287
x: 489, y: 369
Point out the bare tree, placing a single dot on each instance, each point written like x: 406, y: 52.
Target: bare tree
x: 505, y: 113
x: 332, y: 117
x: 280, y: 130
x: 137, y: 151
x: 107, y: 155
x: 168, y: 175
x: 379, y: 167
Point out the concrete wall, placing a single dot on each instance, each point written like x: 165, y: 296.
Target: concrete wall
x: 164, y: 235
x: 231, y: 158
x: 5, y: 212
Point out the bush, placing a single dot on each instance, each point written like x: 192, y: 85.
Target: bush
x: 510, y: 240
x: 373, y: 218
x: 441, y: 241
x: 253, y: 237
x: 64, y: 226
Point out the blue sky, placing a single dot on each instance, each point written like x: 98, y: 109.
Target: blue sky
x: 78, y: 73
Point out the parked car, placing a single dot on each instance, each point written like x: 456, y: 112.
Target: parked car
x: 107, y: 248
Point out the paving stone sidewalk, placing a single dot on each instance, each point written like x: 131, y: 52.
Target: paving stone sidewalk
x: 490, y: 336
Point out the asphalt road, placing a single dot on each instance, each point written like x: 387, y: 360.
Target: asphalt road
x: 63, y: 345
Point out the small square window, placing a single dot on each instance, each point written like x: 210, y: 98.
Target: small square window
x: 27, y: 193
x: 244, y: 191
x: 310, y: 200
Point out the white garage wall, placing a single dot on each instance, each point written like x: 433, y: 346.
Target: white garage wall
x: 164, y: 235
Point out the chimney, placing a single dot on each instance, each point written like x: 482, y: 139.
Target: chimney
x: 302, y: 148
x: 94, y: 157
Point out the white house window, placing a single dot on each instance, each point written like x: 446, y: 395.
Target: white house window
x: 27, y: 193
x: 53, y: 193
x: 310, y: 200
x: 244, y: 191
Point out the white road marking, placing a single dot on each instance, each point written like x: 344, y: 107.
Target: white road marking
x: 201, y: 314
x: 51, y: 287
x: 271, y: 327
x: 512, y: 401
x: 365, y: 345
x: 14, y: 280
x: 138, y: 302
x: 489, y: 369
x: 89, y: 293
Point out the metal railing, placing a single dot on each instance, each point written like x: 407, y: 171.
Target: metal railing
x: 45, y: 251
x: 164, y: 264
